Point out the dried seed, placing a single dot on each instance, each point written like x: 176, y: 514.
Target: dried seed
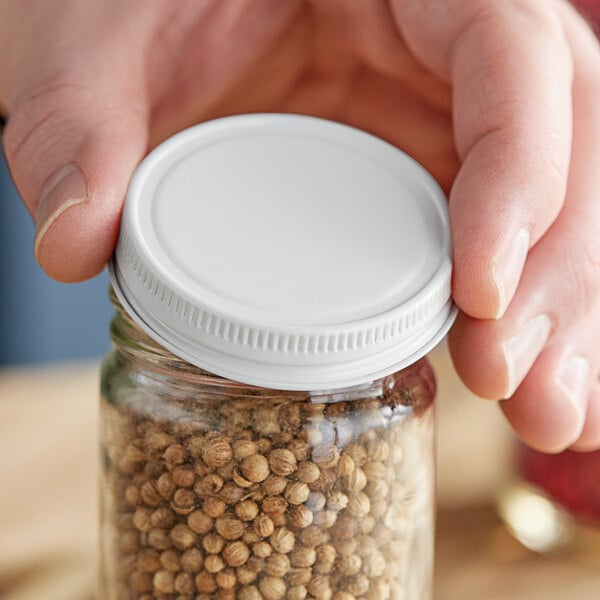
x: 263, y: 526
x: 272, y: 588
x: 232, y: 493
x: 214, y: 507
x: 213, y: 563
x: 262, y: 508
x: 184, y: 584
x: 355, y: 482
x: 247, y: 510
x: 274, y: 506
x: 230, y: 528
x: 345, y: 465
x: 140, y: 582
x: 148, y: 560
x: 141, y: 520
x: 246, y: 575
x: 205, y: 582
x: 308, y: 472
x: 349, y: 565
x: 209, y: 485
x: 283, y: 462
x: 320, y: 587
x: 155, y: 442
x: 174, y: 456
x: 283, y: 540
x: 277, y: 565
x: 262, y: 549
x: 236, y: 554
x: 300, y: 516
x: 337, y: 501
x: 184, y: 501
x: 170, y: 559
x: 192, y: 560
x: 255, y: 468
x: 375, y: 470
x: 244, y: 448
x: 183, y: 477
x: 226, y: 579
x: 150, y: 495
x: 165, y: 485
x: 303, y: 557
x: 217, y: 452
x: 164, y: 582
x: 314, y: 536
x: 326, y: 555
x: 132, y: 495
x: 299, y: 576
x: 213, y: 543
x: 274, y: 485
x: 162, y: 518
x: 316, y: 501
x: 326, y: 455
x: 159, y: 539
x: 358, y: 585
x: 182, y: 537
x: 199, y: 522
x: 240, y: 480
x: 250, y: 593
x: 296, y: 492
x: 359, y: 505
x: 297, y: 592
x: 300, y: 449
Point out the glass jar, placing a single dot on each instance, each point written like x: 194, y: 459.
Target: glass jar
x: 303, y: 268
x: 218, y: 489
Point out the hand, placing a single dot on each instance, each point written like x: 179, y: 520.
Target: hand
x: 497, y: 99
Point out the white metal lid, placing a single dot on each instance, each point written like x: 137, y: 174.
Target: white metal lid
x: 286, y: 251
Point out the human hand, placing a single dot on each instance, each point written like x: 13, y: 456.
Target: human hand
x: 498, y: 100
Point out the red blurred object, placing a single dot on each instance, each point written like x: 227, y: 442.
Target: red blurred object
x: 572, y: 479
x: 591, y: 9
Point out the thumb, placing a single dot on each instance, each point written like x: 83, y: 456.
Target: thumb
x: 72, y: 141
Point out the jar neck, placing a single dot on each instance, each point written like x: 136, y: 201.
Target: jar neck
x: 129, y: 338
x: 135, y: 346
x: 142, y: 353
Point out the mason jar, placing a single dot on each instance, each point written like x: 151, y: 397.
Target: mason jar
x: 267, y: 410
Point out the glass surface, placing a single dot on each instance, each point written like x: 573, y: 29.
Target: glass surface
x: 216, y: 489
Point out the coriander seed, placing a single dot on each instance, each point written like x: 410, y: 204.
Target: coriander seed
x: 255, y: 468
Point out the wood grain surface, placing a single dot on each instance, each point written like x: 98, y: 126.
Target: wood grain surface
x: 48, y: 509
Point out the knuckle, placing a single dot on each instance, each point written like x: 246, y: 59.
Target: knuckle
x: 538, y: 16
x: 39, y: 118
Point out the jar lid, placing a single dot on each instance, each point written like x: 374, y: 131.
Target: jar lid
x: 286, y: 251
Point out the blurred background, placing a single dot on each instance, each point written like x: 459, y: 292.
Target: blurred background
x: 43, y: 321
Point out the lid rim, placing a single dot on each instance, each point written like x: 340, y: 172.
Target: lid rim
x: 321, y: 379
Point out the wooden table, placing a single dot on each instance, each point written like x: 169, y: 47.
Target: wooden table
x: 48, y: 471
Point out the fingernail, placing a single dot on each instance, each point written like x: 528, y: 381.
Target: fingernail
x: 573, y: 379
x: 521, y: 350
x: 64, y: 189
x: 508, y: 267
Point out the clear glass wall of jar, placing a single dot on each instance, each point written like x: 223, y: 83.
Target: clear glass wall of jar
x: 217, y: 489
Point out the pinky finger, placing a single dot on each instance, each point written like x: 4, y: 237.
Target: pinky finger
x: 558, y: 404
x: 542, y: 413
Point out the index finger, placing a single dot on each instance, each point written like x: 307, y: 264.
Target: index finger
x: 510, y: 69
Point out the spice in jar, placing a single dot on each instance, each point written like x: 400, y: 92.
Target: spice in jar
x: 268, y: 515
